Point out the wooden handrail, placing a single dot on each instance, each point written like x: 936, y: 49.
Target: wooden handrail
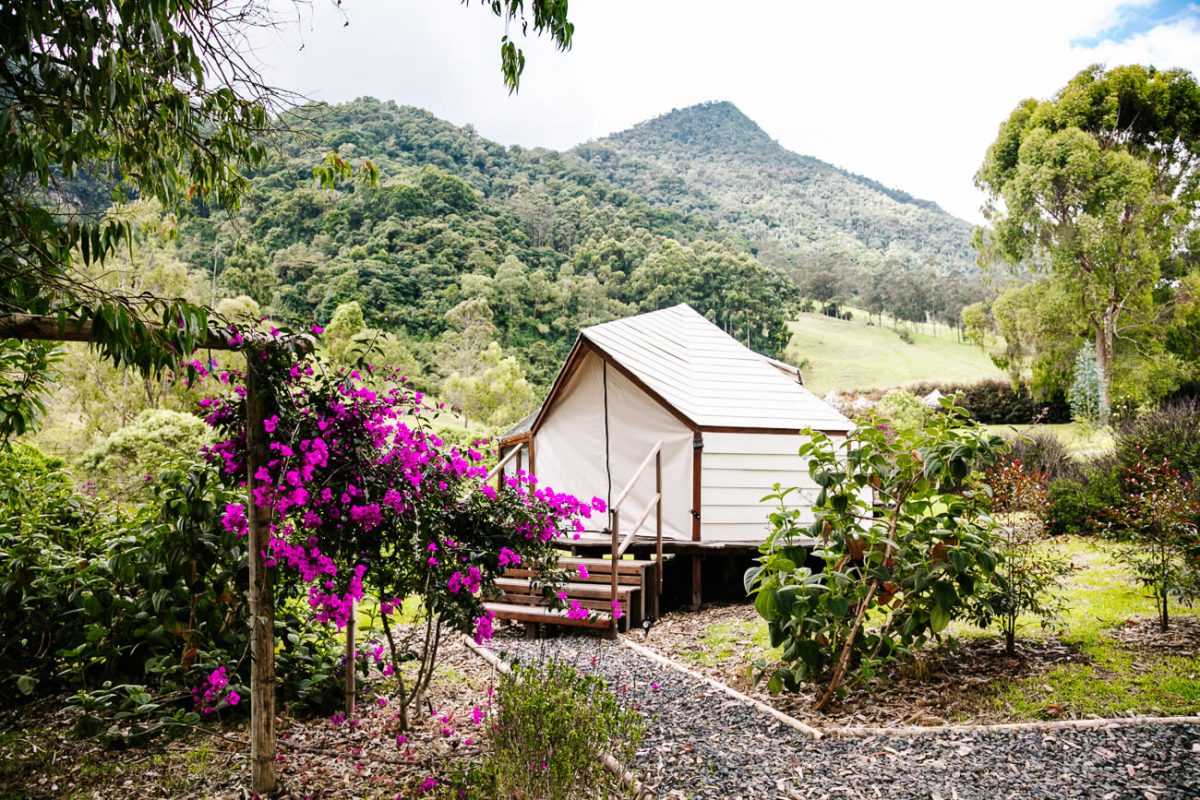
x: 496, y: 469
x: 629, y: 486
x: 619, y: 547
x: 628, y: 540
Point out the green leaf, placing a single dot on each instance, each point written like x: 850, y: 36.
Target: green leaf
x: 939, y: 618
x: 766, y: 605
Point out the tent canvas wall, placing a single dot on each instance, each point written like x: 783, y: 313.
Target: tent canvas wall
x: 728, y: 419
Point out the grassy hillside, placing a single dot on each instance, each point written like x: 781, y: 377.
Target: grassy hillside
x: 847, y: 355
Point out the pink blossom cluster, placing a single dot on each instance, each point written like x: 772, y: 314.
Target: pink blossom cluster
x: 354, y: 471
x: 209, y: 695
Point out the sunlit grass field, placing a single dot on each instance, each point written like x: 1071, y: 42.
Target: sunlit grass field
x: 852, y: 355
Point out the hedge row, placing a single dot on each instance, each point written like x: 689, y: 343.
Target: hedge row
x: 995, y: 402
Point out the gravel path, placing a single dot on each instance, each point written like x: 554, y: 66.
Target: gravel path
x: 701, y: 743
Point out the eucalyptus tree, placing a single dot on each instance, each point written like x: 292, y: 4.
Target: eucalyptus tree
x: 1098, y: 189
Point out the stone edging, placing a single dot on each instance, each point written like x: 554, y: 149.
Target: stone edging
x: 911, y: 730
x: 620, y: 771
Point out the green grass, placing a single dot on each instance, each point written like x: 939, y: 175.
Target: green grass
x: 849, y: 355
x: 1079, y: 440
x: 1118, y: 680
x: 736, y: 638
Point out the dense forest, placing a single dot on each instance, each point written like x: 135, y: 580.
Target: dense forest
x: 470, y: 266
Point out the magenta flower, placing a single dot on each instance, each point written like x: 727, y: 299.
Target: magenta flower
x: 270, y: 423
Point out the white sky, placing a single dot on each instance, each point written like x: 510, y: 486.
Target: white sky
x: 908, y: 93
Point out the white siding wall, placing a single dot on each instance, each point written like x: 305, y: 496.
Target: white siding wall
x: 738, y: 469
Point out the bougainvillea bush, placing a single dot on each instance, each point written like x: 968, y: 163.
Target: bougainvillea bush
x: 366, y: 502
x: 902, y: 523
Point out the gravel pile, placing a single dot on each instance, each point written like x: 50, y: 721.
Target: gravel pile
x: 701, y: 743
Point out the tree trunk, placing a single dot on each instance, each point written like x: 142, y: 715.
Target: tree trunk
x: 351, y: 661
x: 262, y: 602
x: 1104, y: 359
x: 1010, y: 640
x: 1163, y: 621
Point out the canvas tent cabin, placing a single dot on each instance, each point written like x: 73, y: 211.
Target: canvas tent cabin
x: 728, y: 420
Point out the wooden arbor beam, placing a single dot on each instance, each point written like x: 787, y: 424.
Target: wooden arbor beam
x: 262, y: 599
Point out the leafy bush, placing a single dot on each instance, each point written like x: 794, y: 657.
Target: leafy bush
x: 128, y: 459
x: 1081, y: 497
x: 1157, y: 520
x: 552, y: 727
x: 1077, y: 503
x: 902, y: 409
x: 1044, y: 454
x: 903, y: 530
x: 1030, y: 575
x: 1170, y: 432
x: 118, y: 605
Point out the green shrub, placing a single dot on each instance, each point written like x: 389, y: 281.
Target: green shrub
x: 907, y: 544
x: 552, y: 726
x: 1043, y: 453
x: 902, y: 409
x: 1077, y: 503
x: 1170, y: 432
x: 127, y: 461
x: 117, y: 604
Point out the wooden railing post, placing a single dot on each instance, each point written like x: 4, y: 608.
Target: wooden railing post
x: 658, y: 529
x: 616, y: 560
x: 262, y: 601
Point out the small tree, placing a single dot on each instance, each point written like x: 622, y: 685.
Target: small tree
x: 367, y: 502
x: 1029, y: 576
x: 1157, y: 524
x: 904, y: 530
x: 1087, y: 391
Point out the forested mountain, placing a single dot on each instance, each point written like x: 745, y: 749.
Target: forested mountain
x: 712, y: 160
x: 464, y: 242
x: 472, y: 265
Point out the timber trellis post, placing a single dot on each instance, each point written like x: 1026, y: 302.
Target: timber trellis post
x: 262, y: 599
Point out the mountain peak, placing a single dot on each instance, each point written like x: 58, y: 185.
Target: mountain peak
x: 717, y: 125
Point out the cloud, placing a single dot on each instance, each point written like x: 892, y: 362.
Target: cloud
x: 909, y: 94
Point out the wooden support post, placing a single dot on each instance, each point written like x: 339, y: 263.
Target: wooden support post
x: 351, y: 661
x: 697, y: 505
x: 696, y: 596
x: 658, y: 531
x: 262, y: 600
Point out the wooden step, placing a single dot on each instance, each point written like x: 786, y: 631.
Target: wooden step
x: 575, y: 590
x: 593, y: 596
x: 632, y: 579
x: 548, y: 616
x: 634, y: 565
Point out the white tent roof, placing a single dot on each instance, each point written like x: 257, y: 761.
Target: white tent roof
x: 708, y: 376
